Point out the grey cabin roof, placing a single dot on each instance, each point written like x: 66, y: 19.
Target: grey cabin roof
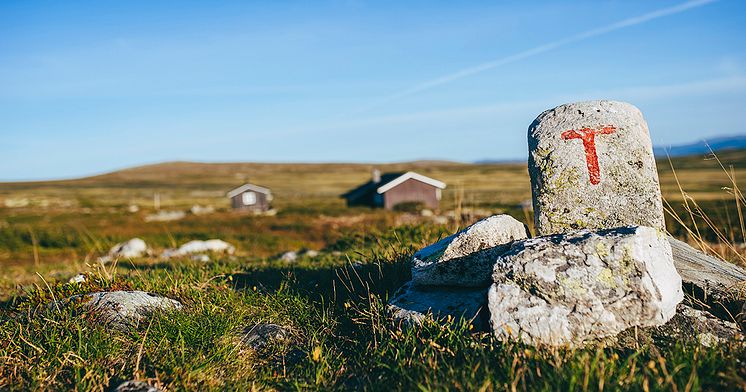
x: 249, y: 187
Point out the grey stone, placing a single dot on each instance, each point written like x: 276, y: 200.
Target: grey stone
x: 198, y: 246
x: 201, y: 257
x: 570, y: 191
x: 466, y: 258
x: 165, y: 216
x: 289, y: 257
x: 707, y: 329
x: 129, y: 249
x: 119, y: 309
x: 567, y: 289
x: 411, y: 305
x: 136, y: 386
x: 79, y: 278
x: 258, y: 336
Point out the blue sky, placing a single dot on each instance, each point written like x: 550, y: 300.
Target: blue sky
x: 88, y: 87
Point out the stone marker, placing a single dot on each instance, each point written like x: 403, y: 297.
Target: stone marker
x: 466, y: 258
x: 567, y: 289
x: 591, y: 166
x: 411, y: 305
x: 119, y: 309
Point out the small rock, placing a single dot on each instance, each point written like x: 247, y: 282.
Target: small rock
x: 426, y: 213
x: 136, y: 386
x: 466, y: 258
x: 119, y: 309
x: 311, y: 253
x: 591, y: 166
x: 133, y: 208
x: 165, y: 216
x: 201, y: 257
x: 709, y: 330
x: 289, y: 256
x: 79, y: 278
x: 259, y: 335
x: 130, y: 249
x: 440, y: 220
x: 198, y: 246
x: 572, y: 288
x: 201, y: 210
x: 411, y: 305
x: 688, y: 324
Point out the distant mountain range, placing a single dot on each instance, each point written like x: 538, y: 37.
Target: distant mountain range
x: 702, y: 147
x: 715, y: 144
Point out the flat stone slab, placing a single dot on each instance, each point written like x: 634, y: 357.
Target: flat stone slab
x: 119, y: 309
x: 411, y: 305
x: 592, y: 166
x: 571, y: 288
x: 467, y: 257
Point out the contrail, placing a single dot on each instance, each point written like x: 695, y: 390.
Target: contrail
x: 538, y: 50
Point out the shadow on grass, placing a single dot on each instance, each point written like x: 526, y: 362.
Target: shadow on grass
x: 330, y: 284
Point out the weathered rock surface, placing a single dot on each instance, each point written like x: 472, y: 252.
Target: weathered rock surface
x: 198, y: 246
x: 592, y: 166
x: 571, y: 288
x: 467, y: 257
x: 130, y: 249
x: 119, y: 309
x: 411, y: 305
x: 136, y: 386
x: 258, y: 336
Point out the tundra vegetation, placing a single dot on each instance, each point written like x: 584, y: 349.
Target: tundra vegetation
x: 333, y: 303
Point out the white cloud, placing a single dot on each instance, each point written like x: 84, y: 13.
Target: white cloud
x: 479, y: 68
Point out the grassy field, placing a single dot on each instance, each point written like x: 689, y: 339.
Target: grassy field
x: 333, y: 303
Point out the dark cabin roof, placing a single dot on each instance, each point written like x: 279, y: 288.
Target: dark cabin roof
x: 389, y: 181
x: 371, y: 186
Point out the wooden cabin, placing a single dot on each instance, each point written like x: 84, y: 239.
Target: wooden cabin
x: 250, y: 198
x: 389, y: 189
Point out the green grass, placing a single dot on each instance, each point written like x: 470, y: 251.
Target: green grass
x: 340, y: 338
x: 334, y: 304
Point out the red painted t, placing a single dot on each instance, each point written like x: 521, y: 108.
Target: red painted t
x: 588, y: 136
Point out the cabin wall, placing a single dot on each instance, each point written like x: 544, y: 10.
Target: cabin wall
x: 411, y: 191
x: 262, y: 203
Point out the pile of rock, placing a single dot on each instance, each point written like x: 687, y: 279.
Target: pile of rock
x: 602, y: 262
x: 451, y: 277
